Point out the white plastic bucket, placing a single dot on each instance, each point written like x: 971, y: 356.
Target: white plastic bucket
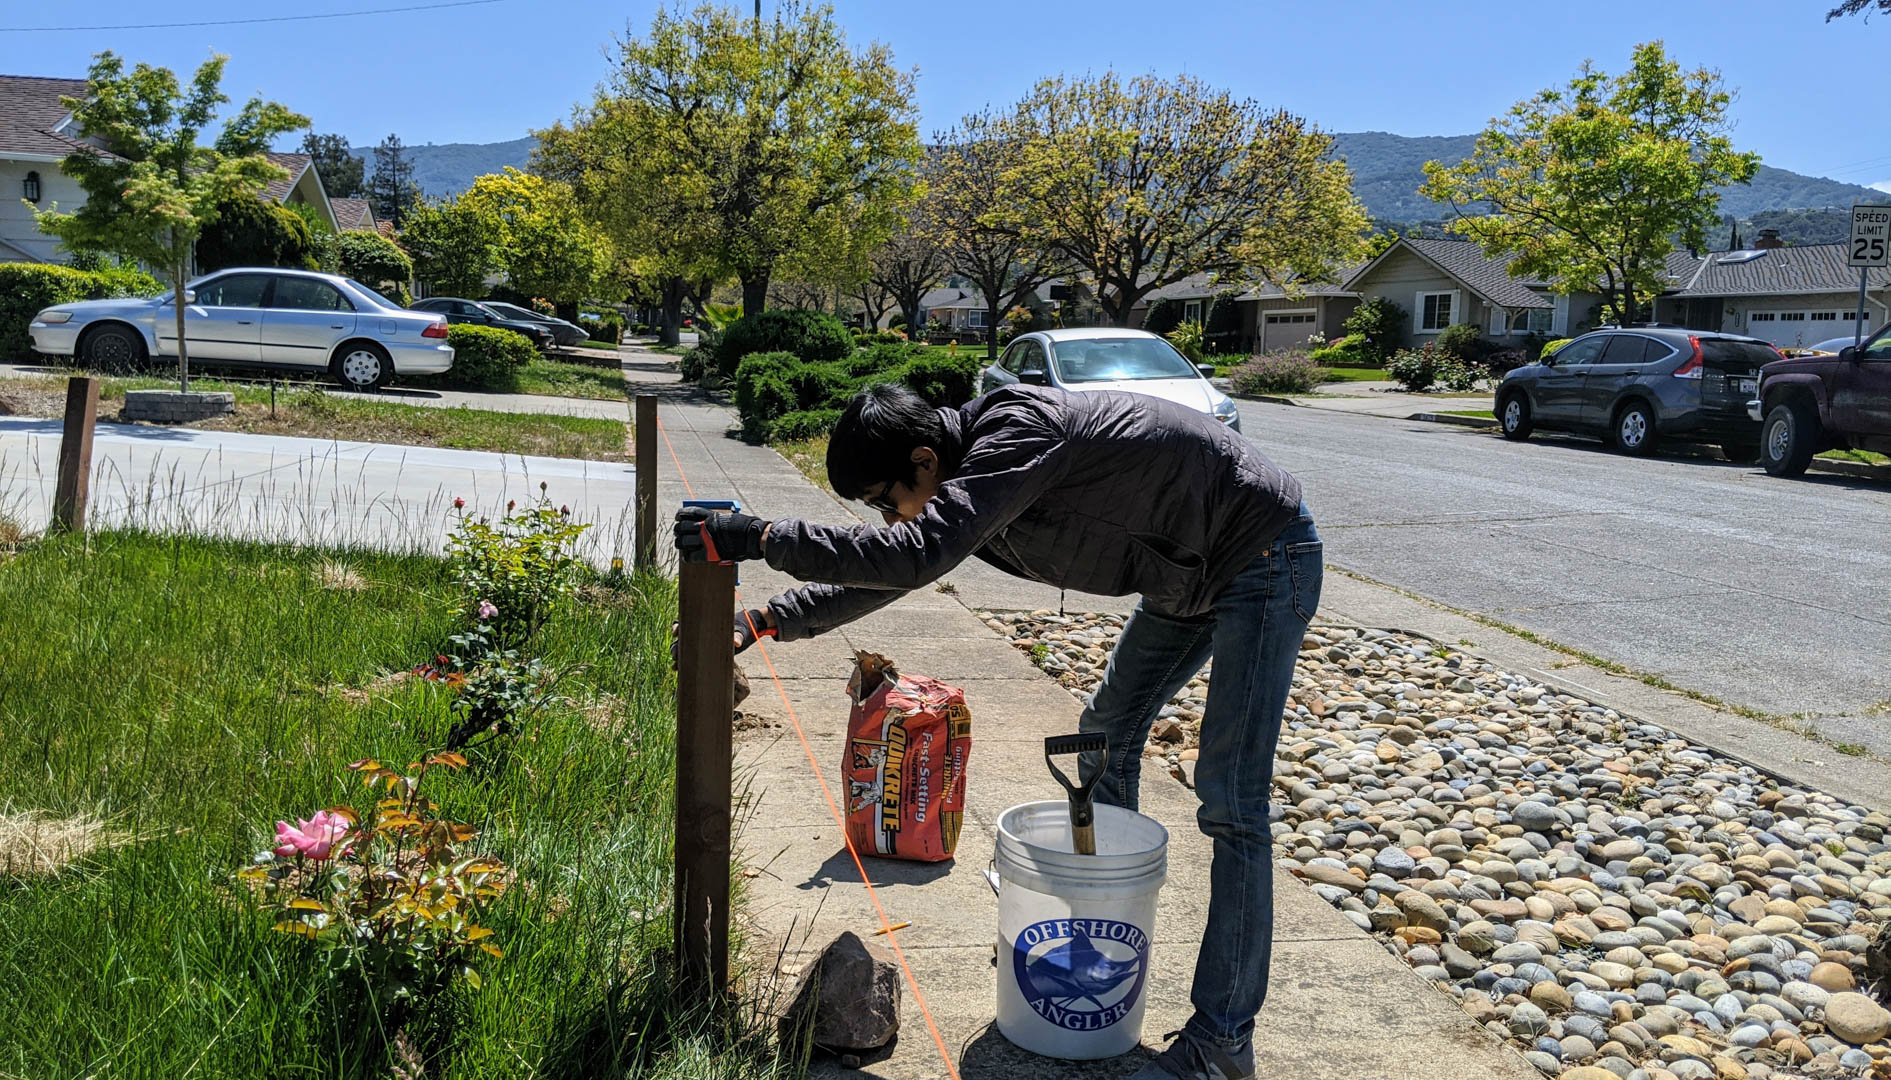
x: 1074, y: 931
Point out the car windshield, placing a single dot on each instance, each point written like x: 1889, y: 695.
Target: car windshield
x: 1119, y: 359
x: 375, y: 296
x: 511, y: 312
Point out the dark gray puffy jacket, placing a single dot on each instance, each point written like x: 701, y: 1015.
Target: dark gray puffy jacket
x: 1101, y: 492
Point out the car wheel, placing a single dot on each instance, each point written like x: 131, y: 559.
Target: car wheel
x: 361, y: 365
x: 1741, y: 453
x: 1789, y: 438
x: 1513, y: 415
x: 112, y: 349
x: 1635, y: 429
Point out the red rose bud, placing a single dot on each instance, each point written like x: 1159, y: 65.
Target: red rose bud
x: 564, y: 511
x: 459, y: 504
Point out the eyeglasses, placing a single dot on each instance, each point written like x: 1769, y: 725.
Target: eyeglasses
x: 883, y: 502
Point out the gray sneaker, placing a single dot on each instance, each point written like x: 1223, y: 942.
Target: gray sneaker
x: 1190, y: 1058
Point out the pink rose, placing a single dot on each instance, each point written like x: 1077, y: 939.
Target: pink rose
x: 487, y: 610
x: 319, y: 837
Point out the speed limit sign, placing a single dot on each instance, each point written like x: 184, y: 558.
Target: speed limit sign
x: 1871, y: 233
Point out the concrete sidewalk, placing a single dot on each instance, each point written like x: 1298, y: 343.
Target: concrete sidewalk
x: 1340, y: 1006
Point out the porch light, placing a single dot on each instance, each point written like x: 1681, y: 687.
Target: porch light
x: 30, y: 187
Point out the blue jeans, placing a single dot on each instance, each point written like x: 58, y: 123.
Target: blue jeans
x: 1254, y: 633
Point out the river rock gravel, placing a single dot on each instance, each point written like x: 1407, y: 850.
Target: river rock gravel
x: 1610, y: 898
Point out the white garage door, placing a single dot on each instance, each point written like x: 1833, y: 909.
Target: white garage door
x: 1285, y: 329
x: 1801, y: 326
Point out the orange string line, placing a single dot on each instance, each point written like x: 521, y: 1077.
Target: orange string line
x: 886, y: 924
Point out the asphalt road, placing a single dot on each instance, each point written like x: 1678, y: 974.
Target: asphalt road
x: 1763, y: 592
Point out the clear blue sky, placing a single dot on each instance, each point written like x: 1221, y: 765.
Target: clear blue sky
x: 491, y: 72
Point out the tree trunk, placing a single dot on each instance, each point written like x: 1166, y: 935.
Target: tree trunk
x: 754, y: 291
x: 671, y: 330
x: 991, y: 331
x: 910, y: 312
x: 177, y: 307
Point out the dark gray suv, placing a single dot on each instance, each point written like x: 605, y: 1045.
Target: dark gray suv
x: 1635, y: 385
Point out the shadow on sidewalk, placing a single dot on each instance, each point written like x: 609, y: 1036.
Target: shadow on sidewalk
x: 839, y: 868
x: 989, y: 1054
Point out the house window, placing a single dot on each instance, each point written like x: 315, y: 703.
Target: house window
x: 1192, y: 311
x: 975, y: 319
x: 1759, y: 316
x: 1534, y: 321
x: 1291, y: 319
x: 1434, y: 310
x: 1825, y: 316
x: 1792, y: 316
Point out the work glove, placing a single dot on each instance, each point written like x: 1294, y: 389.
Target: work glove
x: 749, y: 625
x: 704, y: 535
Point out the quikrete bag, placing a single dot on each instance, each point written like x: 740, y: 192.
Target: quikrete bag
x: 908, y: 738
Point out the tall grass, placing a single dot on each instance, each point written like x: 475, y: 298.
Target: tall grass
x: 191, y: 691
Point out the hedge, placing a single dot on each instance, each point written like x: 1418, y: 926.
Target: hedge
x: 602, y: 323
x: 486, y: 358
x: 26, y: 288
x: 782, y: 396
x: 812, y: 337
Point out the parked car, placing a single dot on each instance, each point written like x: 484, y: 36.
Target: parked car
x: 1810, y: 404
x: 290, y: 319
x: 564, y: 334
x: 477, y: 313
x: 1105, y: 358
x: 1636, y: 385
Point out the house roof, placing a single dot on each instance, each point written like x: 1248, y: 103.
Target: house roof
x: 1813, y: 268
x: 296, y: 164
x: 29, y: 111
x: 1203, y: 286
x: 951, y: 298
x: 1465, y: 261
x: 354, y: 213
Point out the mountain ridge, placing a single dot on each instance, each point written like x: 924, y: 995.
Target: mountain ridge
x: 1387, y: 170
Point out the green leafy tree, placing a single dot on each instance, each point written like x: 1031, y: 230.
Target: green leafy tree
x: 373, y: 260
x: 1146, y: 182
x: 1380, y: 324
x: 455, y: 245
x: 545, y: 248
x: 973, y: 189
x: 1853, y: 7
x: 341, y: 171
x: 249, y: 231
x: 777, y: 129
x: 391, y: 187
x: 150, y: 187
x: 1593, y: 185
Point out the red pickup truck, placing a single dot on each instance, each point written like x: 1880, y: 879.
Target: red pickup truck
x: 1810, y: 404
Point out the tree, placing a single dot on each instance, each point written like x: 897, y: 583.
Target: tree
x: 904, y: 268
x: 772, y: 127
x: 454, y: 246
x: 1593, y: 185
x: 1144, y: 183
x: 341, y: 171
x: 1853, y: 7
x: 150, y: 188
x: 374, y: 260
x: 545, y: 247
x: 972, y: 190
x: 249, y: 231
x: 391, y: 188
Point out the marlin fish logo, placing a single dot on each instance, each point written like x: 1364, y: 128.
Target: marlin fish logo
x: 1088, y: 977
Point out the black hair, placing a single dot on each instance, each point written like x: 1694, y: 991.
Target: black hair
x: 874, y: 439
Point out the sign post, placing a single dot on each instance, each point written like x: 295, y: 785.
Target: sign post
x: 1868, y: 249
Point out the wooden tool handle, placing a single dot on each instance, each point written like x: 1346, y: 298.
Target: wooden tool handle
x: 1083, y: 838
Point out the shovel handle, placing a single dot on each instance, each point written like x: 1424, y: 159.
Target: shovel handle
x: 1083, y: 838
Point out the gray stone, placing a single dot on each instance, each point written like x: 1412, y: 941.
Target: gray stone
x: 1856, y: 1018
x: 177, y: 406
x: 1528, y: 1020
x: 853, y: 992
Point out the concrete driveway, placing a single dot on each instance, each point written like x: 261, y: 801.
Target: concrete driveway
x: 305, y: 491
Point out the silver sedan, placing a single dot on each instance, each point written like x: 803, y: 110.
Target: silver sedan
x: 1106, y: 358
x: 293, y: 320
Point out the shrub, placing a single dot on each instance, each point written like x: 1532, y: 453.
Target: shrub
x: 25, y: 288
x: 250, y: 231
x: 1187, y: 339
x: 1381, y: 323
x: 1550, y: 347
x: 1458, y: 374
x: 487, y: 358
x: 697, y: 363
x: 1348, y: 351
x: 1164, y: 316
x: 1222, y: 333
x: 763, y: 392
x: 514, y: 572
x: 771, y: 387
x: 604, y: 324
x: 937, y: 375
x: 1414, y: 369
x: 813, y: 337
x: 1460, y: 342
x: 373, y: 260
x: 1277, y: 373
x: 896, y: 322
x: 805, y: 424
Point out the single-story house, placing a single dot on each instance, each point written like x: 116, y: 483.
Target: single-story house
x: 960, y: 308
x: 1441, y: 282
x: 356, y: 215
x: 37, y: 133
x: 1785, y: 295
x: 1273, y: 317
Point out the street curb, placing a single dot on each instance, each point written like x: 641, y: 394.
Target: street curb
x: 1447, y: 418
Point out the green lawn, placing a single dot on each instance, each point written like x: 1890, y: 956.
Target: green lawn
x: 1356, y: 374
x: 1481, y: 414
x: 1862, y: 457
x: 166, y: 700
x: 575, y: 376
x: 306, y: 409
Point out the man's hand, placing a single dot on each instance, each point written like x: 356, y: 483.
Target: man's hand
x: 704, y: 535
x: 749, y: 625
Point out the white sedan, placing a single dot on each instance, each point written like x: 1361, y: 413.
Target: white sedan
x: 1106, y: 358
x: 292, y: 319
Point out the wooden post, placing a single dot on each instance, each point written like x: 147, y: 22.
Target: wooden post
x: 646, y: 451
x: 705, y: 711
x: 75, y: 454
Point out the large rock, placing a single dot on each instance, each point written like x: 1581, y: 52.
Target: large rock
x: 1856, y: 1018
x: 849, y: 998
